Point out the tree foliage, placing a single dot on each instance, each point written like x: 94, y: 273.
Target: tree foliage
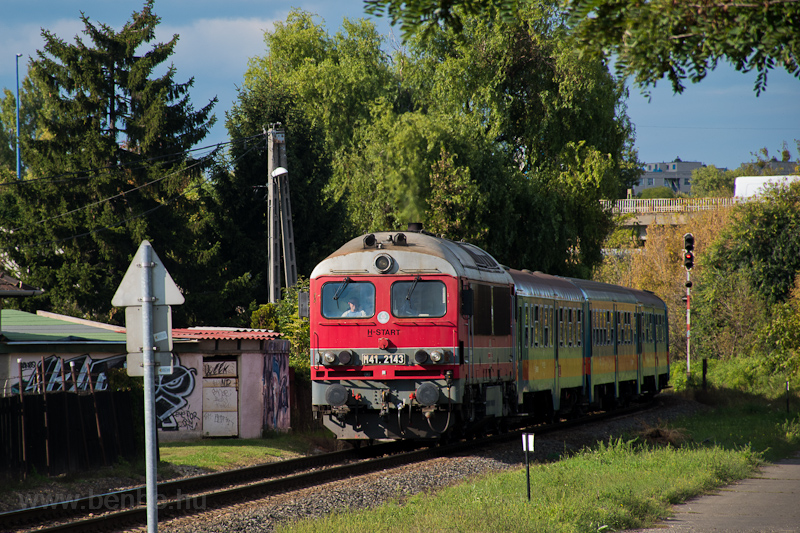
x: 685, y: 40
x: 649, y: 40
x: 284, y: 318
x: 764, y: 242
x: 419, y: 17
x: 658, y: 267
x: 711, y: 182
x: 106, y: 168
x: 527, y: 133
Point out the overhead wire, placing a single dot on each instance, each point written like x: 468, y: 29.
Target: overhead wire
x: 139, y: 163
x: 145, y: 213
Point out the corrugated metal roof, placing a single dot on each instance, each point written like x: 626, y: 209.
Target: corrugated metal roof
x: 210, y: 333
x: 19, y: 326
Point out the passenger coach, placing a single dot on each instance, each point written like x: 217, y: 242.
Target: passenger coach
x: 417, y: 336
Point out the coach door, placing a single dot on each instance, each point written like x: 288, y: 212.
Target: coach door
x: 638, y: 338
x: 220, y: 398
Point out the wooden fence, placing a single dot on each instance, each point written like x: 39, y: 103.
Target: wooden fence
x: 54, y: 433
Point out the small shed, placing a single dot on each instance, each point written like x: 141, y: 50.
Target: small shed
x: 227, y: 382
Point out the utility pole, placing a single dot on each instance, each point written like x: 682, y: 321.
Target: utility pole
x: 688, y: 263
x: 279, y: 215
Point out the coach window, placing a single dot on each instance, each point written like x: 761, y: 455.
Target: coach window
x: 537, y: 333
x: 570, y: 325
x: 419, y: 298
x: 546, y: 326
x: 580, y: 327
x: 526, y: 325
x: 561, y: 326
x: 348, y: 299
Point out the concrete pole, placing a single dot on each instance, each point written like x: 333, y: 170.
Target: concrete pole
x: 276, y: 148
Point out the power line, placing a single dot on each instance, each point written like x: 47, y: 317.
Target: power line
x: 134, y: 217
x: 135, y: 165
x: 104, y: 200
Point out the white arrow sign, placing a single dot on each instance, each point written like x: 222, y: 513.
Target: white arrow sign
x: 129, y: 292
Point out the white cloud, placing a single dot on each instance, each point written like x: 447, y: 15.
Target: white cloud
x: 26, y: 39
x: 217, y: 48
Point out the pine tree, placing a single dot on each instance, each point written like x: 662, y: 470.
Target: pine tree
x: 108, y: 169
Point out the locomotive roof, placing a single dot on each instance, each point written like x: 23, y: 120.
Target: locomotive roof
x: 412, y: 253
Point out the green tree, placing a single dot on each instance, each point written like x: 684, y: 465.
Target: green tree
x: 684, y: 40
x: 107, y: 168
x: 33, y: 109
x: 781, y: 336
x: 424, y: 16
x: 522, y: 148
x: 764, y: 242
x: 456, y: 205
x: 709, y: 181
x: 650, y: 40
x: 284, y: 318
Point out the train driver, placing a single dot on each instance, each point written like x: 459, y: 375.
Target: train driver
x: 355, y: 309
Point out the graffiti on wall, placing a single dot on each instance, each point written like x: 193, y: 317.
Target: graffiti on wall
x: 171, y: 394
x: 83, y: 373
x: 276, y: 392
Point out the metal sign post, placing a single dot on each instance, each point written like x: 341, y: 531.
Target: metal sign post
x: 144, y: 288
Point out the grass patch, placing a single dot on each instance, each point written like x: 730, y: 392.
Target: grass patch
x: 224, y: 454
x: 618, y: 485
x: 627, y: 483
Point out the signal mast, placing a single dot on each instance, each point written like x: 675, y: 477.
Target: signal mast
x: 688, y: 263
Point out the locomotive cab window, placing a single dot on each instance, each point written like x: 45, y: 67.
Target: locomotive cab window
x: 419, y: 298
x: 348, y: 299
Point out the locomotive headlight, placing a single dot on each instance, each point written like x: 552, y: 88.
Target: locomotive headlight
x: 328, y: 358
x: 384, y: 263
x: 345, y: 357
x: 420, y: 356
x: 436, y: 356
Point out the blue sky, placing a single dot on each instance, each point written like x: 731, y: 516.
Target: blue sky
x: 719, y: 121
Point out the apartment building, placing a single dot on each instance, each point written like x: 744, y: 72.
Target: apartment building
x: 677, y: 175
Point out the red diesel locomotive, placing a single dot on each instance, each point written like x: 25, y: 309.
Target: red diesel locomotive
x: 414, y: 336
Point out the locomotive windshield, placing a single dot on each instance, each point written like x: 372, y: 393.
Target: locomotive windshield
x: 348, y: 299
x: 417, y: 298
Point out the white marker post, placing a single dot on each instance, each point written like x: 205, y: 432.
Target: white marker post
x: 527, y: 446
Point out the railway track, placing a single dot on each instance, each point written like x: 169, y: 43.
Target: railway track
x: 126, y: 509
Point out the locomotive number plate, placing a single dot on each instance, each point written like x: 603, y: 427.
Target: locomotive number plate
x: 383, y: 359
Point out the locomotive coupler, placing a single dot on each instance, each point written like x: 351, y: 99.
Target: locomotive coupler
x: 341, y: 412
x: 384, y: 404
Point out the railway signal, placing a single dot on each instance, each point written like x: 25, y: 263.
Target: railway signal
x: 688, y: 242
x: 688, y: 248
x: 688, y: 263
x: 688, y: 260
